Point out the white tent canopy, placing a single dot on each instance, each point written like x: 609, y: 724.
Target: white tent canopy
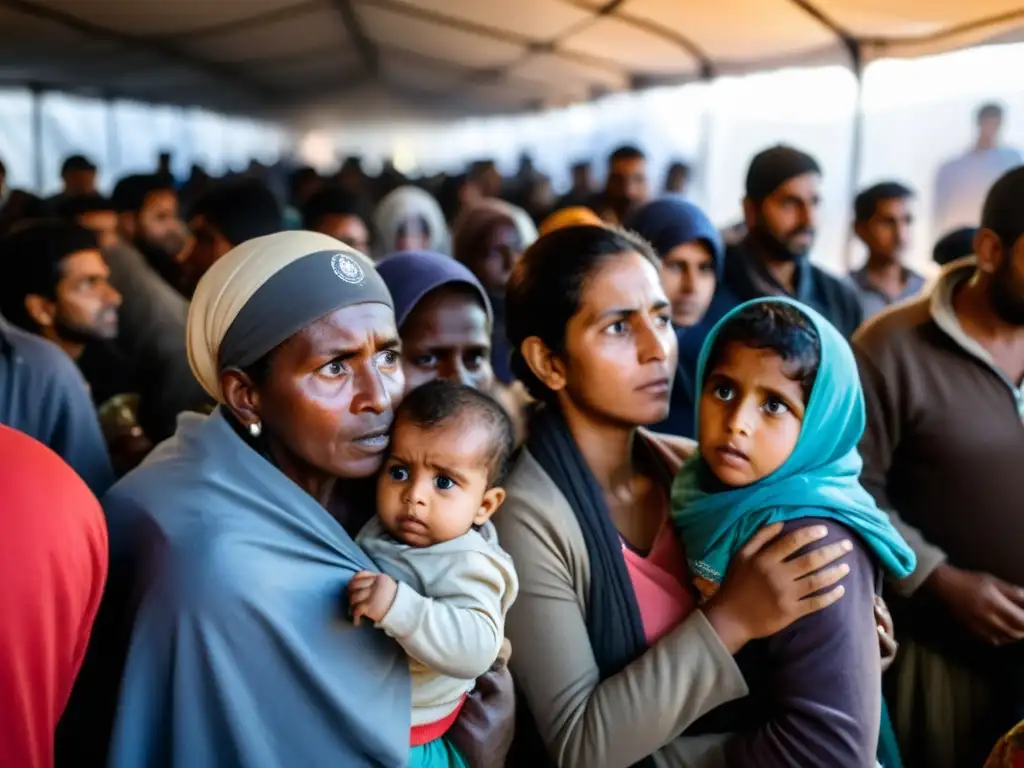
x: 461, y: 56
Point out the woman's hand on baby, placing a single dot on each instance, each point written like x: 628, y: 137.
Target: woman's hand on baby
x: 765, y: 591
x: 371, y: 595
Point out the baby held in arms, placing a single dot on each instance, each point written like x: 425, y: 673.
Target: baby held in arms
x: 446, y: 584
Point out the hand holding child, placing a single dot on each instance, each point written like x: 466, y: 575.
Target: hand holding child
x: 371, y: 595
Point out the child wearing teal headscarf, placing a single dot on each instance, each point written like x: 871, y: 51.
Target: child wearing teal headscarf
x: 779, y: 417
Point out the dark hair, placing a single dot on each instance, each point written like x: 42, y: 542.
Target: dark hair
x: 547, y: 283
x: 866, y: 203
x: 954, y: 245
x: 626, y: 152
x: 71, y: 207
x: 301, y: 176
x: 439, y: 403
x: 333, y: 201
x: 777, y: 326
x: 130, y: 193
x: 77, y: 163
x: 240, y: 210
x: 990, y: 109
x: 32, y: 262
x: 3, y: 168
x: 1003, y: 212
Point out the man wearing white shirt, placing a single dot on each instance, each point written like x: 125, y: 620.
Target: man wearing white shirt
x: 963, y: 182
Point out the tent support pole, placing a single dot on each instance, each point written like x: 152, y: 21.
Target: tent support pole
x: 37, y: 137
x: 856, y: 145
x: 703, y: 164
x: 113, y: 146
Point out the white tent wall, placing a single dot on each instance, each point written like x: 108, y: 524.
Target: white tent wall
x: 919, y: 113
x: 916, y: 113
x: 123, y: 137
x: 17, y: 145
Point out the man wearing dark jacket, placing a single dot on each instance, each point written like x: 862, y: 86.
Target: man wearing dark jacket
x: 783, y: 191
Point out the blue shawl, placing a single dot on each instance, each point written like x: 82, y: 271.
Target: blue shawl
x: 241, y: 653
x: 821, y: 478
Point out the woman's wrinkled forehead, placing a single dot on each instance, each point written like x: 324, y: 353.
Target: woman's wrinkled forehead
x: 620, y: 283
x: 346, y: 330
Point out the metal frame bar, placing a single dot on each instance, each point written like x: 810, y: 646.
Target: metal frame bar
x: 367, y: 49
x: 167, y: 50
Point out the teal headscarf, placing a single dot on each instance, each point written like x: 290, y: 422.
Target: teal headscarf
x: 821, y: 478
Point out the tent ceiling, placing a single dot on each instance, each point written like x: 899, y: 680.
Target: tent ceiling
x: 280, y: 56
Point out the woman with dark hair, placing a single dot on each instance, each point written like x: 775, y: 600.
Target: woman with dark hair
x: 233, y: 543
x: 613, y: 658
x: 692, y: 256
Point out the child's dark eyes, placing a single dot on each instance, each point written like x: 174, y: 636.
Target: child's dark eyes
x: 444, y: 483
x: 723, y: 393
x: 399, y: 474
x: 775, y: 407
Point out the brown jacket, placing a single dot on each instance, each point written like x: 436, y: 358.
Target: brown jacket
x: 944, y: 445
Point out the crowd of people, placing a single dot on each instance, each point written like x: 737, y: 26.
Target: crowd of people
x: 448, y: 472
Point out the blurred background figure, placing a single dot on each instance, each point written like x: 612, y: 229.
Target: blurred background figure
x: 78, y: 173
x: 677, y: 179
x: 94, y: 212
x: 962, y: 182
x: 955, y: 245
x: 883, y: 219
x: 224, y: 217
x: 342, y: 214
x: 626, y: 187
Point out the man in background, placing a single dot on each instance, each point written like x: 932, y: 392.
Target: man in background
x: 882, y: 221
x: 43, y: 394
x: 582, y: 191
x: 780, y: 212
x: 149, y: 220
x: 943, y: 452
x: 79, y: 176
x: 341, y: 214
x: 94, y: 212
x: 626, y: 187
x: 16, y: 204
x: 228, y: 215
x: 153, y: 311
x: 56, y: 284
x: 962, y: 183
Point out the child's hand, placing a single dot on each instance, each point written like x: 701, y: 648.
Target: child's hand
x: 371, y: 595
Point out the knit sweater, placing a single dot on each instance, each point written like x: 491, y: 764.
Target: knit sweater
x: 448, y: 613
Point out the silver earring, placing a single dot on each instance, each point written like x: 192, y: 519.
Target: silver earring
x: 256, y: 429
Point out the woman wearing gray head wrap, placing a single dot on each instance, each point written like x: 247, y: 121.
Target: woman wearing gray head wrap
x: 243, y: 523
x: 410, y: 219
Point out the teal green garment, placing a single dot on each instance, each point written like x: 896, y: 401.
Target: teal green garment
x: 438, y: 753
x: 888, y: 753
x: 821, y: 478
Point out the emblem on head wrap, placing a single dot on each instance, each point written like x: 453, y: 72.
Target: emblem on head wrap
x: 347, y: 268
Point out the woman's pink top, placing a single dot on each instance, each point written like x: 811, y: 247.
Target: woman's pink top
x: 660, y: 582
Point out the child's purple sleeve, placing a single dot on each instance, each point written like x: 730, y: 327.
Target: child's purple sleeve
x: 824, y: 679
